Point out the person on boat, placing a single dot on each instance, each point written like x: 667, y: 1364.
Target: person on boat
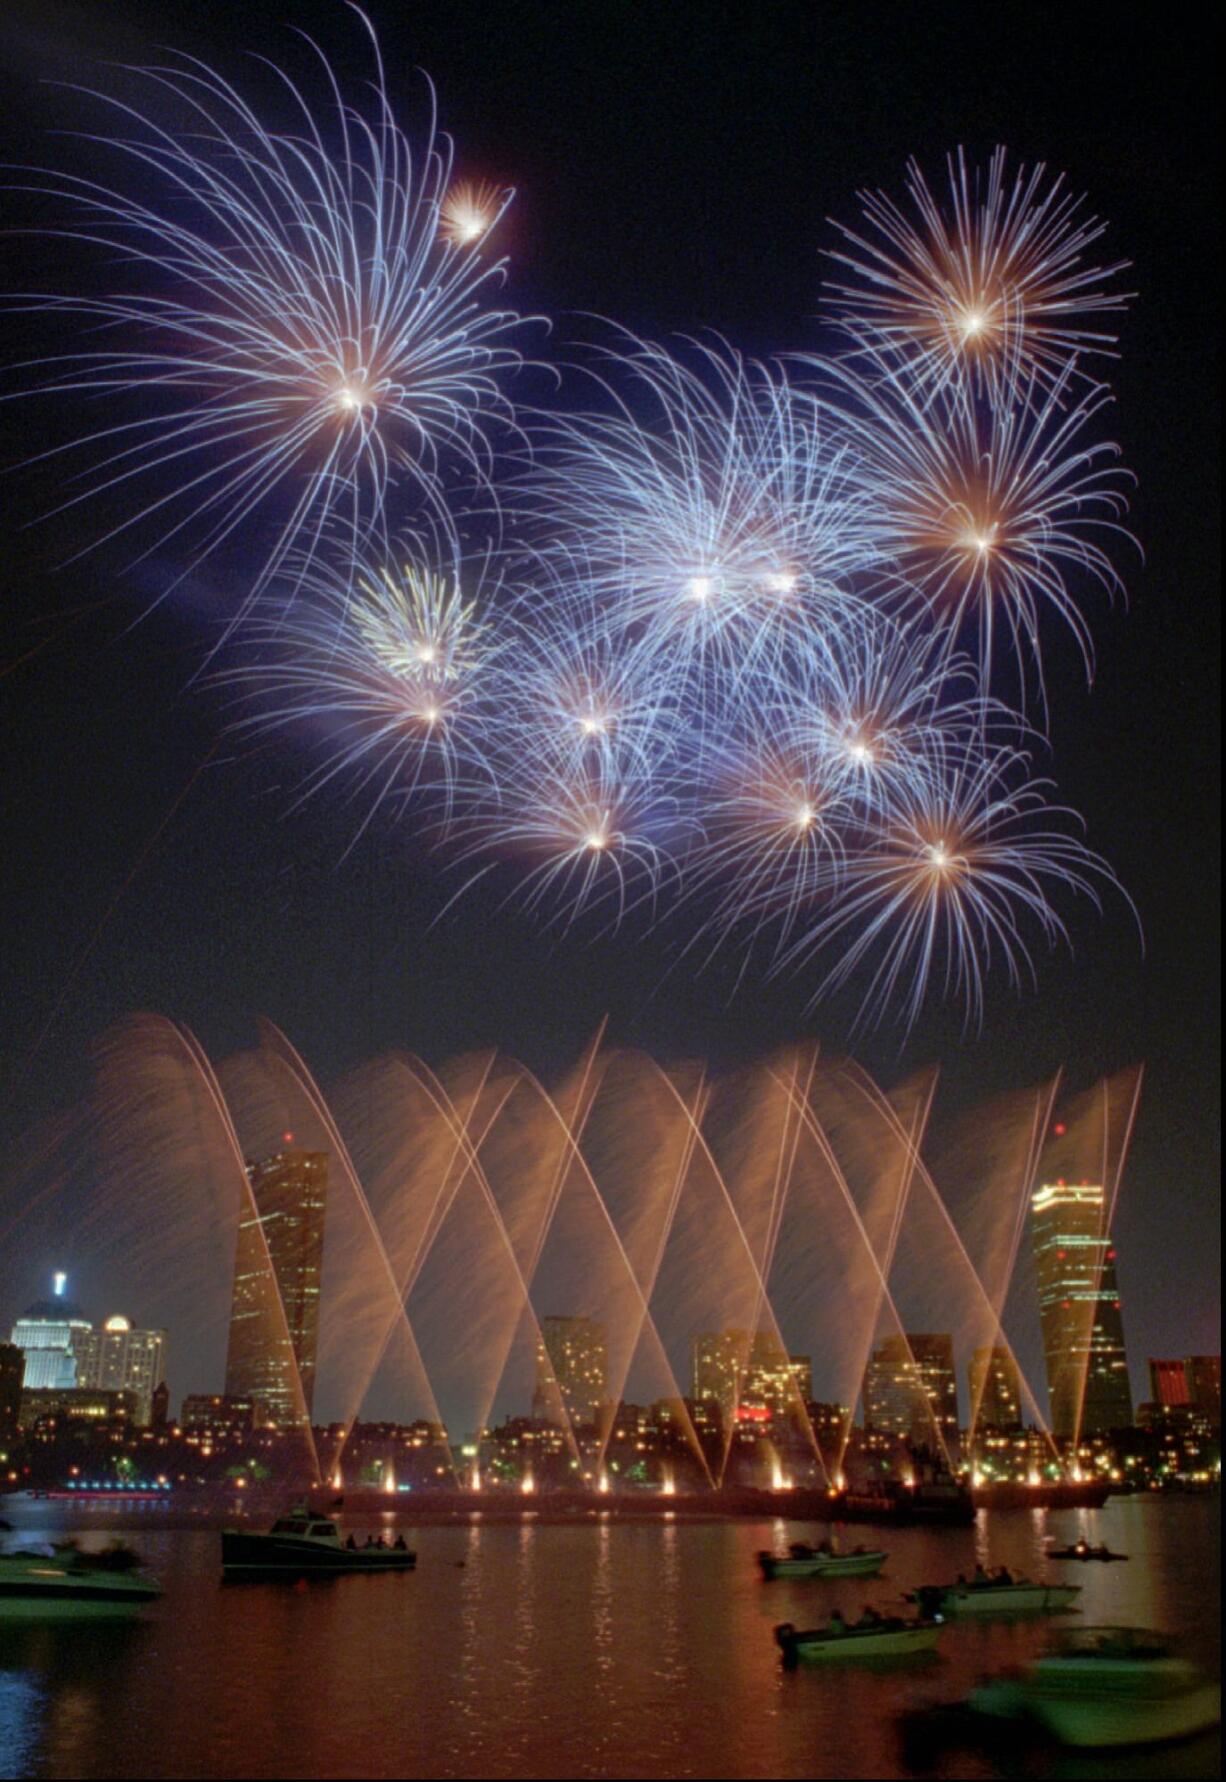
x: 981, y: 1577
x: 825, y: 1547
x: 1004, y: 1575
x: 400, y: 1545
x: 869, y: 1617
x: 351, y: 1545
x: 800, y: 1550
x: 960, y: 1580
x: 836, y: 1624
x: 1081, y: 1545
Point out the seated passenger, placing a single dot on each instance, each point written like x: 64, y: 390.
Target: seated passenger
x: 836, y: 1624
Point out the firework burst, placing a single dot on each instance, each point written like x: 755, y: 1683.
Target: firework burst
x: 715, y: 518
x: 995, y: 283
x: 393, y: 668
x: 950, y: 883
x: 302, y: 333
x: 991, y: 512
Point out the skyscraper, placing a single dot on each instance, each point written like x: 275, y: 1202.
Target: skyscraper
x: 574, y: 1354
x: 996, y: 1389
x: 910, y: 1389
x: 48, y: 1333
x: 1204, y: 1376
x: 12, y: 1371
x: 120, y: 1359
x: 1079, y: 1305
x: 278, y: 1264
x: 719, y: 1358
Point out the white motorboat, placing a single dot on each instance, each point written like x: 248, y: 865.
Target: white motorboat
x: 889, y: 1637
x: 69, y: 1585
x: 1107, y: 1686
x: 801, y: 1561
x: 1019, y: 1596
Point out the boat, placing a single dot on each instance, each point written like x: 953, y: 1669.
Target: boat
x: 1106, y: 1686
x: 941, y: 1502
x: 889, y: 1637
x: 994, y: 1596
x: 71, y: 1585
x: 1047, y: 1494
x: 1083, y: 1551
x: 300, y: 1543
x: 801, y: 1561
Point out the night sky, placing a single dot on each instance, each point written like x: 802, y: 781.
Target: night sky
x: 675, y: 168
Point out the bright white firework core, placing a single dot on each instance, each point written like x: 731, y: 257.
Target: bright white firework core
x: 352, y: 398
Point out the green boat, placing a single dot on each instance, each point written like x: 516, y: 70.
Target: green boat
x: 889, y: 1637
x: 994, y: 1597
x: 1106, y: 1686
x: 70, y: 1586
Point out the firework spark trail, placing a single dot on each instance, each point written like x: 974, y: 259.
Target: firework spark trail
x: 316, y: 332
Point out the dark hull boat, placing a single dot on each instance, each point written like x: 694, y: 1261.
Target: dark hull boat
x: 1084, y: 1554
x: 943, y: 1504
x: 299, y: 1545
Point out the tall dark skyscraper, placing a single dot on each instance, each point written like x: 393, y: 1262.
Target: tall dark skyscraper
x: 12, y: 1371
x: 1079, y: 1305
x: 278, y: 1264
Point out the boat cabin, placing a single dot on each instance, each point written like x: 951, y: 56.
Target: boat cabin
x: 305, y: 1527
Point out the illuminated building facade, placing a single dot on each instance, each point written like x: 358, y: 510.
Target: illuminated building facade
x: 996, y: 1389
x: 278, y: 1265
x: 76, y: 1404
x: 910, y: 1389
x: 120, y: 1359
x: 572, y: 1361
x: 747, y: 1375
x: 48, y: 1334
x: 217, y: 1415
x: 719, y: 1357
x: 1168, y: 1383
x: 1079, y: 1306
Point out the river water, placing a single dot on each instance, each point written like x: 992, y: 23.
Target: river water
x: 593, y: 1648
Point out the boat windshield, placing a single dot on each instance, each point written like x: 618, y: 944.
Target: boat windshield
x: 288, y: 1525
x: 324, y: 1530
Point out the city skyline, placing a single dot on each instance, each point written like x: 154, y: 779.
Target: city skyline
x: 798, y: 1306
